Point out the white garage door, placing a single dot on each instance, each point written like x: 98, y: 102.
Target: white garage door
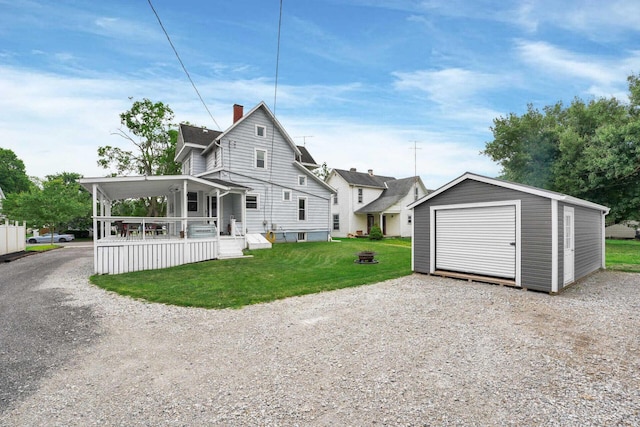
x: 478, y: 240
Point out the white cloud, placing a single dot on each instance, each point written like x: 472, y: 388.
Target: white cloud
x: 605, y: 76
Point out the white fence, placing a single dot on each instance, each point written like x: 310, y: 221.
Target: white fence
x: 115, y: 257
x: 13, y: 238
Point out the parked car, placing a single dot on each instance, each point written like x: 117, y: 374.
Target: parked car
x: 46, y: 238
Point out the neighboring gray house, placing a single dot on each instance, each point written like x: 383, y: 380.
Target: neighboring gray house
x: 285, y: 201
x: 364, y: 199
x: 496, y: 231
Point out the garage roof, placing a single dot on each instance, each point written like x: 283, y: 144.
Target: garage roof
x: 513, y: 186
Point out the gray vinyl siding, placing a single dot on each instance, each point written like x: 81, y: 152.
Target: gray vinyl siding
x: 588, y: 241
x: 535, y: 228
x: 239, y: 159
x: 198, y: 164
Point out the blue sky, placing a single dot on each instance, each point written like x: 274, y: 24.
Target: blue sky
x: 362, y: 79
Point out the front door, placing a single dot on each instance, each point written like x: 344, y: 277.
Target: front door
x: 569, y: 245
x: 370, y: 222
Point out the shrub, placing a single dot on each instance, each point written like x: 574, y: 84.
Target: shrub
x: 375, y: 233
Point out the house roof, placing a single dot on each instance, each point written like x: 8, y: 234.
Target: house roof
x: 127, y: 187
x: 364, y: 179
x: 395, y: 191
x: 513, y: 186
x: 305, y: 156
x: 198, y: 135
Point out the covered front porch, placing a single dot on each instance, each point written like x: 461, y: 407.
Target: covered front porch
x: 203, y: 222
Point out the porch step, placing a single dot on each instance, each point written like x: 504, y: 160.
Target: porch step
x: 258, y: 241
x: 231, y: 248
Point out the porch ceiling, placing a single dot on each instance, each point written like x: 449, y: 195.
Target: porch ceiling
x: 127, y: 187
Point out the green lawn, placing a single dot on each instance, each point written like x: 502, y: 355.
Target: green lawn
x: 288, y: 269
x: 41, y: 248
x: 623, y: 255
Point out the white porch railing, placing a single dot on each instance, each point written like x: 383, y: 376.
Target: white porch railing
x: 13, y: 238
x: 126, y: 244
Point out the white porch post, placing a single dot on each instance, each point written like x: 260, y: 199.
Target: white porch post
x: 380, y: 224
x: 95, y: 227
x: 185, y: 213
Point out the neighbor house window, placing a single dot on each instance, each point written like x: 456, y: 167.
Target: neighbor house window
x: 409, y: 219
x: 302, y: 208
x: 302, y: 180
x: 359, y: 195
x: 415, y: 193
x: 286, y: 195
x: 192, y: 202
x: 252, y: 201
x: 336, y: 222
x: 261, y: 159
x: 261, y: 131
x: 335, y: 198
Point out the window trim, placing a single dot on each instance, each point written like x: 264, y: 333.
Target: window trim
x: 304, y: 180
x: 285, y: 199
x: 335, y: 219
x: 302, y: 234
x: 306, y: 207
x: 246, y: 202
x: 335, y: 198
x: 360, y: 195
x: 264, y: 129
x: 255, y: 158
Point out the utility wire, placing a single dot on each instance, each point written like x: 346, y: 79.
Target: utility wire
x: 181, y: 63
x: 275, y: 103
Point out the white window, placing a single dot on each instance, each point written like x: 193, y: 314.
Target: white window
x: 286, y: 195
x: 409, y: 219
x: 261, y: 131
x: 302, y: 209
x: 336, y: 221
x: 261, y: 159
x: 186, y: 167
x: 335, y: 198
x: 252, y: 201
x: 302, y: 180
x: 359, y: 195
x: 302, y: 237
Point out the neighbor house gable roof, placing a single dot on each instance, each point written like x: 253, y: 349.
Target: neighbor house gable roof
x: 513, y: 186
x: 363, y: 179
x: 395, y: 191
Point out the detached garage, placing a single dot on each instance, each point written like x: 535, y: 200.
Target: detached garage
x: 497, y: 231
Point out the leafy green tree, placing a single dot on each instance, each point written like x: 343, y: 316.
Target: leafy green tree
x: 150, y: 131
x: 149, y: 126
x: 589, y: 150
x: 322, y: 172
x: 13, y: 178
x: 51, y: 204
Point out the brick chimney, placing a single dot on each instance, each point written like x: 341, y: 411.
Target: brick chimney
x: 352, y: 170
x: 238, y: 112
x: 370, y: 171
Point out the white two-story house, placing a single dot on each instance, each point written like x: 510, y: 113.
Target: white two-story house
x: 363, y: 200
x: 284, y: 200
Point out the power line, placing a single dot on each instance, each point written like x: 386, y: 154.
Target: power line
x: 181, y: 63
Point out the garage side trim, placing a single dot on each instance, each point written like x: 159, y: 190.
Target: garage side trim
x: 432, y: 227
x: 554, y: 246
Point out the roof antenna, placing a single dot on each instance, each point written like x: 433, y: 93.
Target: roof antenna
x: 415, y: 149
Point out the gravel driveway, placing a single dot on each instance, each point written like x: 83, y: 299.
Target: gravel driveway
x: 418, y: 350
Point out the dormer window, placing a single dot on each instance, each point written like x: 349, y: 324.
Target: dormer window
x: 261, y: 131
